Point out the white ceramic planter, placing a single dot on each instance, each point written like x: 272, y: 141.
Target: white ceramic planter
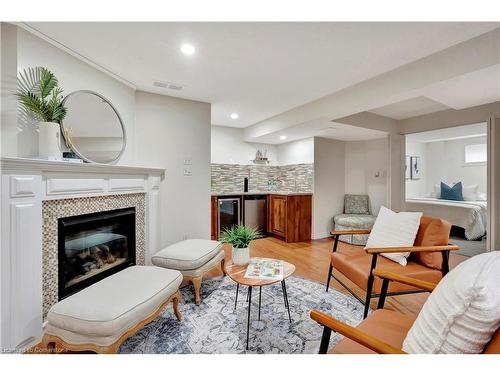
x: 49, y: 140
x: 241, y: 256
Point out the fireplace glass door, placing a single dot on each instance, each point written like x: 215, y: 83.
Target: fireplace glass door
x: 94, y: 246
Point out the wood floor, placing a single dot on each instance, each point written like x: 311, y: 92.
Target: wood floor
x: 312, y: 260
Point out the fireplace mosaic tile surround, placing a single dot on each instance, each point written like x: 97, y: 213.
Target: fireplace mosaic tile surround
x: 228, y: 178
x: 52, y: 210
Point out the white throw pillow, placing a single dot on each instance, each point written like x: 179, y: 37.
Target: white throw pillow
x: 436, y: 192
x: 470, y: 193
x: 393, y: 229
x: 463, y: 312
x: 482, y: 197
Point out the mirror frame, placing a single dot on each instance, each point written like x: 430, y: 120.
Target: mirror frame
x: 74, y: 149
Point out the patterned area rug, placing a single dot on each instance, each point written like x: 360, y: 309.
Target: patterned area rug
x: 215, y: 327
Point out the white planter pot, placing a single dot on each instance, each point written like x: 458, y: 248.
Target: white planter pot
x: 241, y: 256
x: 49, y: 140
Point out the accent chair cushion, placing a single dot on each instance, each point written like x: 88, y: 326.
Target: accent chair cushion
x: 452, y: 193
x: 493, y: 347
x: 354, y: 263
x: 355, y: 221
x: 356, y: 204
x: 463, y: 312
x: 393, y: 229
x: 388, y: 326
x: 187, y: 255
x: 432, y: 232
x: 113, y: 305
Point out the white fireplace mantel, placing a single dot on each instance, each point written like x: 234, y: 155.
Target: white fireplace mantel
x: 25, y: 184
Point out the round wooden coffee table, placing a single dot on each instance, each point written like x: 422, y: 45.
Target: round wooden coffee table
x: 237, y: 274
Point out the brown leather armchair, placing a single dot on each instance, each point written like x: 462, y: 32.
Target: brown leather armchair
x: 384, y: 331
x: 428, y: 261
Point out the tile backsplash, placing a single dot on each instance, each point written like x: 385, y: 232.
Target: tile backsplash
x: 228, y: 178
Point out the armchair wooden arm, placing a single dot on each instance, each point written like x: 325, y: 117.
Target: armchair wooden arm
x: 331, y: 324
x: 349, y: 231
x: 411, y: 249
x: 404, y: 280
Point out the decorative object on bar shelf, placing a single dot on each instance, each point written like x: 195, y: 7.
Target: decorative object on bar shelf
x: 261, y: 157
x: 240, y: 237
x: 41, y: 102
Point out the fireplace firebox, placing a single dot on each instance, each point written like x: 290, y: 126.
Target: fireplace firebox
x: 94, y: 246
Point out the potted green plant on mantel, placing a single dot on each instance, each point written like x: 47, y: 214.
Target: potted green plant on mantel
x: 40, y: 99
x: 240, y: 237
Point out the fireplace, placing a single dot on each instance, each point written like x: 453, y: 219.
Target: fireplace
x: 94, y: 246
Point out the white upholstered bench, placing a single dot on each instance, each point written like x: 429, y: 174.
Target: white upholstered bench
x: 193, y: 258
x: 99, y: 318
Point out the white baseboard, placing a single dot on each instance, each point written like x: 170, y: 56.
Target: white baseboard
x: 318, y: 236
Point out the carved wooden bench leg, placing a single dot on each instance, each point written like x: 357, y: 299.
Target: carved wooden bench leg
x: 196, y: 281
x: 48, y: 344
x: 223, y: 266
x: 176, y: 300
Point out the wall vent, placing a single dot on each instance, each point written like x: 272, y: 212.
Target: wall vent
x: 168, y: 85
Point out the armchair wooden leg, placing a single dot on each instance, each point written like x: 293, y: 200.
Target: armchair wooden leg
x: 383, y: 294
x: 330, y: 270
x: 369, y: 286
x: 325, y: 340
x: 368, y: 298
x: 329, y: 277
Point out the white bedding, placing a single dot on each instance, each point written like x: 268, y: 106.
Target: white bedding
x: 470, y: 215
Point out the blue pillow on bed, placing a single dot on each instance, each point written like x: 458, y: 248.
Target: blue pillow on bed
x: 452, y: 193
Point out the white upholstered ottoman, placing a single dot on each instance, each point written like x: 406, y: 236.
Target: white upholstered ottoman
x: 99, y: 318
x: 193, y: 258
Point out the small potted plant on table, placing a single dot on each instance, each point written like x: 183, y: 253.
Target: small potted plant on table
x: 239, y: 237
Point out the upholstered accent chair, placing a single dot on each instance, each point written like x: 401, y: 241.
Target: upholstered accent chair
x: 356, y: 215
x: 384, y: 331
x: 428, y: 261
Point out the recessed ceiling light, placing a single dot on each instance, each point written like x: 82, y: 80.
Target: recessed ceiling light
x: 282, y: 137
x: 188, y: 49
x: 234, y: 116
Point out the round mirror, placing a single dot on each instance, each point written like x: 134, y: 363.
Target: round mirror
x: 93, y: 128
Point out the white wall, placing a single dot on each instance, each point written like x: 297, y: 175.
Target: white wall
x: 171, y: 130
x: 73, y: 74
x: 418, y: 188
x: 228, y: 147
x: 296, y: 152
x: 168, y: 130
x: 366, y: 164
x: 329, y: 184
x: 447, y: 161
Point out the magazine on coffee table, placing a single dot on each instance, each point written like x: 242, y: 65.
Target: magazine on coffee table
x: 266, y: 269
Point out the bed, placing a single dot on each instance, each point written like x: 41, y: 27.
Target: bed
x: 469, y: 215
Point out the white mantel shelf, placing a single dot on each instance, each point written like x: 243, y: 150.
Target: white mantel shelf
x: 26, y: 164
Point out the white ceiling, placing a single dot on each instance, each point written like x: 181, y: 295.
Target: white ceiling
x: 255, y: 69
x: 410, y: 108
x: 447, y: 134
x: 468, y: 90
x: 326, y: 129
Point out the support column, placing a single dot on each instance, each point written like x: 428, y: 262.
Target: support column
x: 8, y: 86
